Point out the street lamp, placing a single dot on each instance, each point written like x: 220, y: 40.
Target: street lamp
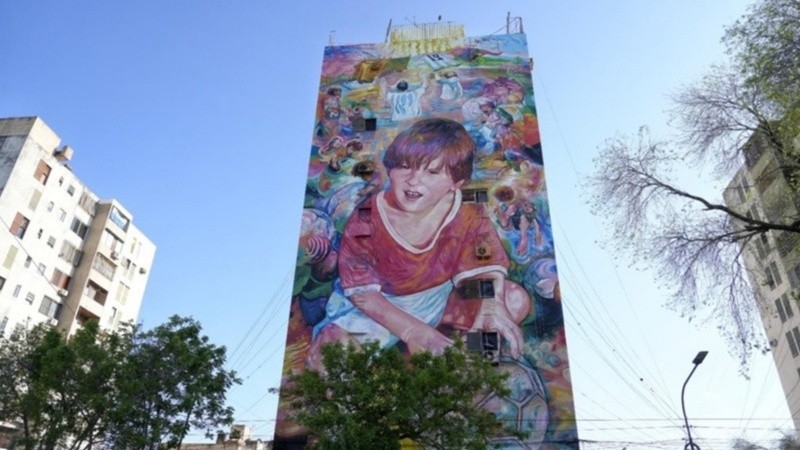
x: 696, y: 361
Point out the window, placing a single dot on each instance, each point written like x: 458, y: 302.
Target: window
x: 104, y: 266
x: 118, y: 218
x: 772, y: 277
x: 19, y: 225
x: 475, y: 195
x: 60, y: 279
x: 122, y: 293
x: 740, y: 192
x: 42, y: 172
x: 70, y: 253
x: 110, y: 241
x: 50, y: 307
x: 784, y: 307
x: 30, y: 297
x: 42, y: 268
x: 95, y: 292
x: 112, y: 319
x: 71, y: 190
x: 17, y: 288
x: 28, y: 262
x: 62, y: 214
x: 12, y: 253
x: 50, y: 206
x: 87, y: 202
x: 34, y: 201
x: 3, y: 325
x: 51, y: 242
x: 79, y: 228
x: 2, y: 283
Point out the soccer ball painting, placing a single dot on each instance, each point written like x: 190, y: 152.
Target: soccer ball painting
x: 525, y: 407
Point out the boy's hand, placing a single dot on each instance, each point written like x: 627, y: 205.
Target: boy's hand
x: 425, y: 338
x: 494, y: 316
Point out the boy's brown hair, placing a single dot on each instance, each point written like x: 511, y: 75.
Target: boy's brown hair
x: 429, y: 139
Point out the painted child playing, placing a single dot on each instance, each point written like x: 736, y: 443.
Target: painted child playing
x: 405, y: 249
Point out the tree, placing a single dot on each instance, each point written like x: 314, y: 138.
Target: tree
x: 694, y: 242
x: 371, y: 398
x: 60, y: 390
x: 786, y: 442
x: 175, y: 381
x: 129, y: 389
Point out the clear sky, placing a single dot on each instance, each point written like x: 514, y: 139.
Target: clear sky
x: 197, y: 116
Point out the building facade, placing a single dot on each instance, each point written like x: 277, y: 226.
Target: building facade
x: 426, y: 204
x: 760, y: 190
x: 66, y: 256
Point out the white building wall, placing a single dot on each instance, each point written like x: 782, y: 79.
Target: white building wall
x: 24, y: 142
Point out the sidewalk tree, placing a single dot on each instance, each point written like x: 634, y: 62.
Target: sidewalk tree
x: 371, y: 398
x: 690, y: 239
x: 175, y: 381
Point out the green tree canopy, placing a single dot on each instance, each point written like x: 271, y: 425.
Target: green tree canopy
x: 370, y: 398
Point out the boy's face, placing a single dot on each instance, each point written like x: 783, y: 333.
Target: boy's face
x: 421, y: 189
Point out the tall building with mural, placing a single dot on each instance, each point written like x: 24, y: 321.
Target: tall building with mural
x: 66, y: 256
x: 426, y: 205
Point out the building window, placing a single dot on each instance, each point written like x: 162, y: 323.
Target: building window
x: 30, y: 297
x: 112, y: 319
x: 42, y: 172
x: 118, y: 218
x: 2, y: 283
x: 70, y: 253
x: 34, y: 201
x: 793, y: 338
x: 122, y: 293
x: 772, y: 276
x: 3, y: 325
x: 111, y: 242
x: 62, y: 215
x: 784, y: 307
x: 60, y: 279
x: 95, y: 292
x: 17, y: 289
x: 104, y: 266
x: 19, y: 225
x: 50, y: 206
x: 28, y: 261
x: 51, y: 242
x: 42, y: 268
x: 12, y: 253
x: 87, y: 202
x: 71, y: 190
x: 50, y: 307
x: 79, y: 228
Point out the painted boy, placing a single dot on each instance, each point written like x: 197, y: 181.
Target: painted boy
x: 405, y: 250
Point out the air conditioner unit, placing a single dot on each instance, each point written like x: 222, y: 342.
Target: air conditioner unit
x: 142, y: 270
x: 63, y: 292
x: 114, y: 255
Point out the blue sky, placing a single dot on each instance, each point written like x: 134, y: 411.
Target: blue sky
x: 197, y: 116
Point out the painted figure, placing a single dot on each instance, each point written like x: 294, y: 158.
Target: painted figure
x: 404, y: 100
x: 405, y: 250
x: 451, y: 86
x: 332, y: 104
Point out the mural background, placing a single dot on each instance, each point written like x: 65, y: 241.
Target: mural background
x: 368, y: 94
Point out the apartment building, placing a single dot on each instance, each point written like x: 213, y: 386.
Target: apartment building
x: 760, y: 190
x: 66, y: 255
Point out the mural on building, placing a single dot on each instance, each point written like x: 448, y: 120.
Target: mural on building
x: 425, y: 194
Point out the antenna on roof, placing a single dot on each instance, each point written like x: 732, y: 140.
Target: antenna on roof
x: 388, y: 30
x: 331, y: 37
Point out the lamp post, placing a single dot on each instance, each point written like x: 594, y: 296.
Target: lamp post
x: 696, y: 361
